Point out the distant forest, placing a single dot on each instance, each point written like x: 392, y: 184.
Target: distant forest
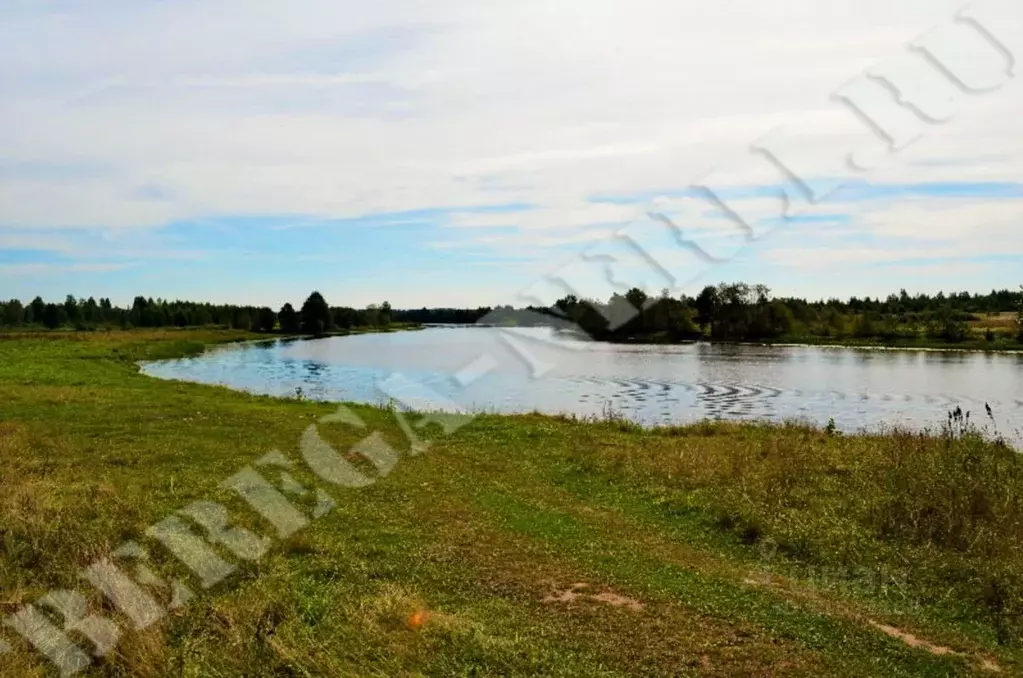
x: 314, y: 316
x: 743, y: 312
x: 726, y: 312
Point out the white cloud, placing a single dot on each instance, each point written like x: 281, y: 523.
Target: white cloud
x: 133, y: 115
x: 341, y: 109
x: 992, y: 223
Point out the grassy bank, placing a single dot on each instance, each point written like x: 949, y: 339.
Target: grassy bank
x: 1000, y: 342
x: 515, y: 545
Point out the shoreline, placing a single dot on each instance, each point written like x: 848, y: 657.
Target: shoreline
x: 974, y: 346
x: 819, y: 423
x: 977, y: 346
x: 807, y: 343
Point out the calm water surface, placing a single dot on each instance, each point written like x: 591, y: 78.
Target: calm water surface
x: 533, y: 369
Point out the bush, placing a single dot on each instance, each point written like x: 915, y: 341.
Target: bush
x: 948, y: 327
x: 865, y: 327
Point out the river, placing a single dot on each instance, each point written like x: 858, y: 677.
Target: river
x: 495, y: 370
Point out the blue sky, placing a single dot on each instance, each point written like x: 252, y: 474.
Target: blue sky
x: 456, y: 154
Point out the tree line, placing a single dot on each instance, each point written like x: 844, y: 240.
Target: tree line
x: 745, y: 312
x: 314, y: 316
x: 725, y: 312
x: 441, y: 316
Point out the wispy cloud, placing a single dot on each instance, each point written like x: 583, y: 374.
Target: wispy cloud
x: 40, y: 269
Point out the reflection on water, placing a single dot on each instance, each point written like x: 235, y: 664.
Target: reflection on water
x: 525, y: 370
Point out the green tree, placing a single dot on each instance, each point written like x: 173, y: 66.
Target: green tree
x: 289, y: 319
x: 106, y: 312
x: 266, y: 320
x: 733, y: 318
x: 866, y: 326
x: 90, y: 310
x: 637, y: 298
x: 140, y: 316
x: 345, y: 317
x: 38, y: 308
x: 242, y: 320
x: 53, y: 316
x: 372, y: 315
x: 780, y: 318
x: 948, y: 326
x: 71, y: 308
x: 680, y: 323
x: 640, y: 301
x: 566, y: 304
x: 706, y: 305
x: 618, y: 311
x: 315, y: 314
x: 13, y: 313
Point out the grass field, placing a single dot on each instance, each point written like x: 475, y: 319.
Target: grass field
x: 1007, y: 322
x: 513, y: 546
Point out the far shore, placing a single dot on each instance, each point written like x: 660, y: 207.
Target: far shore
x: 1000, y: 346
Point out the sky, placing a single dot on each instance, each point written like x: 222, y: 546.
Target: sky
x: 466, y: 153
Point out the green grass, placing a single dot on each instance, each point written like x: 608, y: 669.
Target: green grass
x: 977, y: 342
x: 714, y: 549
